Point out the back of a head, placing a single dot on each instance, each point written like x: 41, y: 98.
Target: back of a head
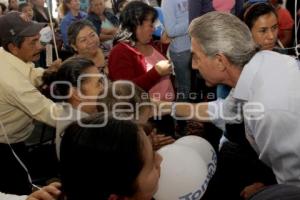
x: 97, y: 160
x: 219, y: 32
x: 67, y: 76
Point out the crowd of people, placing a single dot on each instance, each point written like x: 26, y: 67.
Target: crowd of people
x: 118, y: 88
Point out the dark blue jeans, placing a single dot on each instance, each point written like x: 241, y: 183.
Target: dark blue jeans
x: 182, y: 67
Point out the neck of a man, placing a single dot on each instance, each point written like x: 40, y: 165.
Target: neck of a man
x: 234, y: 73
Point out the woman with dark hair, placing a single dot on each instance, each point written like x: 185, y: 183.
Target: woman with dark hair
x: 108, y: 159
x: 77, y: 83
x: 85, y: 42
x: 134, y: 58
x: 71, y: 10
x: 118, y: 6
x: 40, y: 12
x: 261, y: 18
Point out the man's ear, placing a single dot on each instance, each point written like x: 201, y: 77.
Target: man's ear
x: 222, y: 62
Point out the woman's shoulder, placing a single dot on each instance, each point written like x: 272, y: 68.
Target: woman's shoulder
x: 108, y: 13
x: 124, y: 48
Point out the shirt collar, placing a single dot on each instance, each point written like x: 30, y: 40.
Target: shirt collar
x: 243, y: 86
x: 94, y: 16
x: 16, y: 62
x: 79, y: 16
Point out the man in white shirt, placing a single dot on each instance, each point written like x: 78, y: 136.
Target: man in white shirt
x: 20, y: 100
x: 266, y: 86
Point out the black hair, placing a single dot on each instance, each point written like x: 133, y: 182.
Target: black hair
x: 23, y: 5
x: 116, y: 92
x: 117, y: 4
x: 133, y: 15
x: 65, y: 8
x: 159, y: 3
x: 253, y: 12
x: 96, y: 162
x: 15, y: 40
x: 70, y: 71
x: 76, y: 27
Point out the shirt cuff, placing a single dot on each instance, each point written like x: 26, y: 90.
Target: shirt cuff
x: 214, y: 114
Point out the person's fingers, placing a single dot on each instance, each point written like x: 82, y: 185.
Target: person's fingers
x: 40, y: 195
x: 166, y: 141
x: 58, y: 61
x: 163, y: 137
x: 56, y: 184
x: 53, y: 189
x: 242, y: 194
x: 161, y: 141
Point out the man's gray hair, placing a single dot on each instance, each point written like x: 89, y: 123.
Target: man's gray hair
x: 218, y: 32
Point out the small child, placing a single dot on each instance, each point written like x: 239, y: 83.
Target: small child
x: 26, y: 8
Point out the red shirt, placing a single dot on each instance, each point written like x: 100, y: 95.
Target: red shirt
x: 285, y: 21
x: 127, y: 63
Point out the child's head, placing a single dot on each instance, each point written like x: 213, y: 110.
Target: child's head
x: 115, y: 161
x: 26, y: 8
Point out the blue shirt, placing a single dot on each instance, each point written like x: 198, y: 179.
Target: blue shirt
x: 159, y: 28
x: 66, y: 22
x: 95, y: 19
x: 176, y: 22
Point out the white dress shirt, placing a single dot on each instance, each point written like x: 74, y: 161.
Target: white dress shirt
x: 269, y: 86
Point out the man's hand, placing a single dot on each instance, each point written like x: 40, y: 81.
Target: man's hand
x: 50, y: 192
x: 160, y: 140
x: 251, y: 190
x: 55, y: 66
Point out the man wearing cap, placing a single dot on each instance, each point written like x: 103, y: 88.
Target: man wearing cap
x: 20, y: 100
x: 266, y: 91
